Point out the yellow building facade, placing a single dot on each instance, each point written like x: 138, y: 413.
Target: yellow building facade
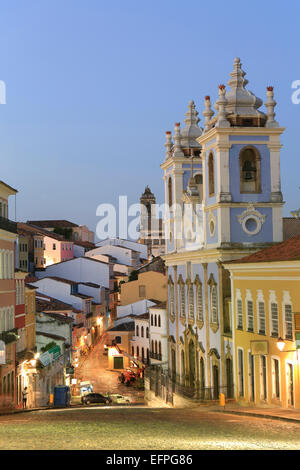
x: 149, y: 285
x: 265, y: 310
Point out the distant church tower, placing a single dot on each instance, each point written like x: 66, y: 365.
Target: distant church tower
x: 151, y: 229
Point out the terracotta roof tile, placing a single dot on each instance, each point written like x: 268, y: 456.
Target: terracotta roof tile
x: 285, y: 251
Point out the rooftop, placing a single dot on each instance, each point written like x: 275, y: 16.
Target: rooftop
x: 128, y: 326
x: 45, y: 303
x: 52, y: 223
x: 289, y: 250
x: 36, y: 230
x: 291, y: 227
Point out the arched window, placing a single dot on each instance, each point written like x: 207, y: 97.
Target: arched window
x: 132, y: 351
x: 199, y: 302
x: 159, y: 320
x: 182, y: 367
x: 137, y: 330
x: 211, y: 175
x: 155, y: 347
x: 182, y: 298
x: 143, y: 354
x: 171, y: 297
x: 170, y: 193
x: 155, y: 320
x: 137, y: 351
x: 142, y: 332
x: 147, y: 332
x: 250, y: 170
x: 199, y: 183
x: 152, y: 346
x: 159, y: 348
x: 151, y: 320
x: 214, y: 304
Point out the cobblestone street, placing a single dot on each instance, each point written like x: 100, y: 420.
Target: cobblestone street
x: 144, y: 428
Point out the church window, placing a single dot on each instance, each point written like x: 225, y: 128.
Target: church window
x: 170, y: 192
x: 182, y: 299
x: 211, y: 175
x: 199, y: 302
x: 191, y: 300
x: 250, y: 171
x: 214, y: 302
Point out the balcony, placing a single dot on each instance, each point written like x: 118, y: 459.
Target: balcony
x: 8, y: 225
x: 156, y: 356
x: 10, y: 336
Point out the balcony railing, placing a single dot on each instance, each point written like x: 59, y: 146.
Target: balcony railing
x: 156, y: 356
x: 9, y: 336
x: 165, y: 386
x: 8, y: 225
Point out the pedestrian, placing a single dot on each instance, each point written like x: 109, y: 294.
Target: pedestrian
x: 25, y: 393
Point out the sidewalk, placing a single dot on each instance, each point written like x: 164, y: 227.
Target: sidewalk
x: 13, y: 411
x: 269, y: 413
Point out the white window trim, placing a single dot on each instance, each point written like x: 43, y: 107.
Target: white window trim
x: 238, y: 297
x: 249, y: 298
x: 273, y: 300
x: 286, y: 301
x: 238, y: 372
x: 261, y: 388
x: 273, y: 377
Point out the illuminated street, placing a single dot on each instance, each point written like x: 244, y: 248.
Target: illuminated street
x: 93, y: 368
x: 143, y: 428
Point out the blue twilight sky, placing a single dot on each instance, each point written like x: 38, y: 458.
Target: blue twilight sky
x: 93, y: 85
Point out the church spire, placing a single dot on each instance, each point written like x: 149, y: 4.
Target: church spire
x: 177, y: 141
x: 207, y: 113
x: 240, y: 101
x: 168, y: 144
x: 191, y: 131
x: 270, y: 105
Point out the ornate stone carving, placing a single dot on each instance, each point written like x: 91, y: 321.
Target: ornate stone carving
x: 251, y: 220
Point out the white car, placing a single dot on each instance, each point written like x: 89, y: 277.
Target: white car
x: 120, y: 399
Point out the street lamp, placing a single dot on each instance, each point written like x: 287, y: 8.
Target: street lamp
x: 280, y: 344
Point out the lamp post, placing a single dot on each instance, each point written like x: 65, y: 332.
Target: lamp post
x: 281, y: 344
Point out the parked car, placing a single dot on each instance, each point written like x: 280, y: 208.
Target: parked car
x: 95, y: 398
x: 120, y: 399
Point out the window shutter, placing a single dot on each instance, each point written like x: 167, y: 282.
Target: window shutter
x: 250, y: 315
x: 288, y: 322
x: 274, y: 316
x: 262, y: 317
x: 239, y: 315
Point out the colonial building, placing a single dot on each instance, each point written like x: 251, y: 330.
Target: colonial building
x: 8, y: 321
x: 222, y: 185
x: 266, y: 326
